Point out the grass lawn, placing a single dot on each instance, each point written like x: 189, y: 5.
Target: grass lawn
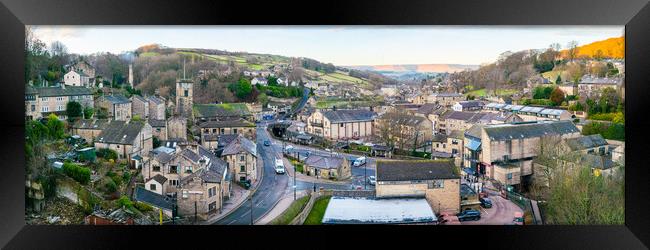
x: 146, y: 54
x: 483, y: 92
x: 317, y: 212
x: 291, y: 212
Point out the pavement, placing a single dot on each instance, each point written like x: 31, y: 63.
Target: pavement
x: 280, y: 207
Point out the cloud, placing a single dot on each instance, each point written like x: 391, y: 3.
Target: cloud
x: 49, y: 34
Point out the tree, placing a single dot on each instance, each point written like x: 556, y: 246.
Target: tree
x: 88, y: 112
x: 572, y: 50
x: 55, y: 127
x: 242, y: 88
x: 102, y: 113
x: 272, y: 81
x: 575, y: 71
x: 557, y: 96
x: 73, y: 110
x: 558, y: 80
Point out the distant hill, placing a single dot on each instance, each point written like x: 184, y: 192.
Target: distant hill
x: 611, y: 48
x: 421, y: 68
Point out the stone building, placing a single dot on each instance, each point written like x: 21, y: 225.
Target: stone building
x: 226, y: 127
x: 89, y: 129
x: 328, y: 167
x: 118, y: 107
x: 241, y: 156
x: 438, y: 181
x: 177, y: 128
x: 341, y: 124
x: 156, y: 108
x: 43, y: 101
x: 184, y: 98
x: 445, y: 99
x: 140, y: 106
x: 127, y: 138
x: 159, y: 129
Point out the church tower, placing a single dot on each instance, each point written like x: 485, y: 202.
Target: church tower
x: 184, y: 92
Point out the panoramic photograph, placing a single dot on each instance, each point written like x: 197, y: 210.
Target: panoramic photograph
x: 325, y: 125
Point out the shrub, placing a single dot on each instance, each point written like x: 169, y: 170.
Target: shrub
x: 76, y: 172
x: 126, y: 176
x: 603, y: 116
x: 116, y: 179
x: 107, y: 154
x: 143, y: 207
x: 125, y: 202
x: 110, y: 186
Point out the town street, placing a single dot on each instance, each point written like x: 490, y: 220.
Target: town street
x: 268, y: 193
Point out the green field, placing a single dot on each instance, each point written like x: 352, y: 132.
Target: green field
x: 317, y: 212
x: 552, y: 75
x: 294, y: 209
x: 483, y: 92
x: 147, y: 54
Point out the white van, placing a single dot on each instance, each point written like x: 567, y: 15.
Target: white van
x: 279, y: 166
x: 359, y: 161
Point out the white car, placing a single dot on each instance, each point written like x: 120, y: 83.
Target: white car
x: 279, y: 166
x: 359, y: 161
x: 372, y: 180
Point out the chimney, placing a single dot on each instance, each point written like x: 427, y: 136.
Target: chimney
x: 62, y: 85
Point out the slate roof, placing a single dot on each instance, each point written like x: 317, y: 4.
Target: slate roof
x: 140, y: 98
x: 120, y: 132
x: 90, y: 124
x: 471, y: 104
x: 462, y: 115
x: 223, y: 140
x: 349, y: 115
x: 30, y: 90
x: 116, y: 99
x: 155, y: 100
x: 489, y: 117
x: 215, y: 110
x: 416, y: 170
x: 585, y: 142
x: 67, y: 91
x: 406, y: 119
x: 151, y: 198
x: 587, y: 79
x: 157, y: 123
x: 159, y: 178
x: 596, y: 161
x: 528, y: 130
x: 190, y: 155
x: 227, y: 124
x: 324, y: 162
x: 447, y: 94
x: 240, y: 144
x: 427, y: 108
x: 163, y: 157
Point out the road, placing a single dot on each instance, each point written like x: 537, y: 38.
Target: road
x: 502, y: 211
x: 268, y: 193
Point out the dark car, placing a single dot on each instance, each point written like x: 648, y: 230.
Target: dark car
x: 267, y: 143
x: 469, y: 214
x: 485, y: 202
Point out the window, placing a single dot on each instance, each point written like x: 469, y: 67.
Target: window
x: 436, y: 184
x: 242, y: 158
x: 173, y: 169
x: 234, y: 131
x: 152, y: 187
x: 33, y: 108
x: 173, y: 182
x: 186, y: 93
x: 44, y: 99
x: 341, y: 125
x: 212, y: 191
x: 156, y: 168
x: 242, y: 168
x: 45, y: 109
x: 188, y: 169
x: 509, y: 176
x: 222, y: 131
x: 212, y: 206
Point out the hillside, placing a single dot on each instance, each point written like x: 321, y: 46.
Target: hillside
x: 611, y: 48
x: 422, y: 68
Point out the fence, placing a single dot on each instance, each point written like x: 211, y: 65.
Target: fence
x: 525, y: 204
x: 302, y: 216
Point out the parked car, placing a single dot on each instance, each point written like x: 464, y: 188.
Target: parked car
x: 485, y: 202
x: 469, y: 214
x: 519, y: 219
x: 267, y: 143
x: 372, y: 180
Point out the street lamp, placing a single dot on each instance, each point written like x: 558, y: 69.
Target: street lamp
x: 294, y: 182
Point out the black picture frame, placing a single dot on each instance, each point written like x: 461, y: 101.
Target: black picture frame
x: 14, y: 14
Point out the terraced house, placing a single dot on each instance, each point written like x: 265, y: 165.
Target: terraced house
x: 341, y: 124
x: 118, y: 107
x: 505, y: 152
x: 43, y: 101
x: 241, y: 156
x: 199, y: 180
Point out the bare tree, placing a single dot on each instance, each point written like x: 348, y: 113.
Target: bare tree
x: 572, y: 50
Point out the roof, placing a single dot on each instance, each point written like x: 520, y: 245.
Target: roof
x: 349, y: 115
x: 157, y: 123
x: 587, y: 79
x: 427, y: 108
x: 152, y: 198
x: 462, y: 115
x: 116, y: 99
x: 470, y: 104
x: 416, y: 170
x: 217, y: 110
x: 67, y: 91
x: 90, y: 124
x: 596, y: 161
x: 585, y: 142
x: 405, y: 119
x: 214, y: 170
x: 528, y: 130
x: 227, y: 123
x: 447, y: 94
x: 240, y: 144
x: 159, y: 178
x: 466, y: 190
x: 324, y: 162
x: 120, y: 132
x: 223, y: 140
x: 140, y: 98
x: 357, y: 210
x: 190, y: 155
x: 155, y: 100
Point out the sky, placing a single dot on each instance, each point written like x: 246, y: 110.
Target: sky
x: 340, y: 45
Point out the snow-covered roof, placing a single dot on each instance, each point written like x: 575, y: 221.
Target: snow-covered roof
x: 354, y: 210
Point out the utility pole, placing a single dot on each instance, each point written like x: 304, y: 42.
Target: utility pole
x: 294, y: 182
x: 250, y: 198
